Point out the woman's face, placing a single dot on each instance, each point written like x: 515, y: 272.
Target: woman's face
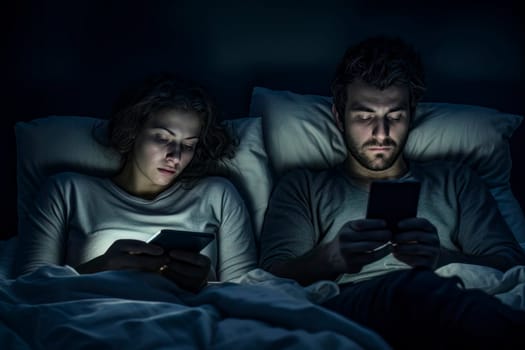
x: 162, y: 150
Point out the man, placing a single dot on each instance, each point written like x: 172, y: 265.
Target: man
x: 315, y: 228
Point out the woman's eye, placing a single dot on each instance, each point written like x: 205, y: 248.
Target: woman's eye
x: 161, y: 139
x: 188, y: 147
x: 364, y: 116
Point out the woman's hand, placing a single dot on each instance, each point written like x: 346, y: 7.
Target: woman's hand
x: 189, y: 270
x: 126, y: 254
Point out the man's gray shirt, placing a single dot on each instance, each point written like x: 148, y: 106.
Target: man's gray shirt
x: 308, y: 208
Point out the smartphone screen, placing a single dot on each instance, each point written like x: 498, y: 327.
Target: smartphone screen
x: 393, y: 201
x: 185, y: 240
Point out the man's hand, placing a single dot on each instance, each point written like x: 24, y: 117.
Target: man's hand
x: 188, y: 270
x: 359, y: 243
x: 416, y: 243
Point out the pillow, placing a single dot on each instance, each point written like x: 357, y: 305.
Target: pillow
x: 51, y: 145
x: 54, y: 144
x: 249, y: 169
x: 299, y: 131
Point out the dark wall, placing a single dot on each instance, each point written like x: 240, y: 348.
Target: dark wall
x: 73, y: 57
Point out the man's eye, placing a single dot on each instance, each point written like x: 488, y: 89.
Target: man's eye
x: 394, y: 117
x: 364, y: 116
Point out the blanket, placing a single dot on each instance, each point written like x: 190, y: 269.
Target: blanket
x: 55, y: 308
x: 508, y: 286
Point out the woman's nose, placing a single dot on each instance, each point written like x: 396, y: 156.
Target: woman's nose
x: 174, y: 153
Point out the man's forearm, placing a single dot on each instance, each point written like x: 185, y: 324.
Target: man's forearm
x: 499, y: 262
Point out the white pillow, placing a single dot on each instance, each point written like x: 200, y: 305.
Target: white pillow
x: 249, y: 169
x: 300, y: 131
x: 50, y: 145
x: 54, y: 144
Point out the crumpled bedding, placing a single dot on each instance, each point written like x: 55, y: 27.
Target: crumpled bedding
x: 508, y: 286
x: 55, y: 308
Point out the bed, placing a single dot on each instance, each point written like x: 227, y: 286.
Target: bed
x: 55, y: 308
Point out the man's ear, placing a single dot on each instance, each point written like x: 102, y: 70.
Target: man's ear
x: 338, y: 121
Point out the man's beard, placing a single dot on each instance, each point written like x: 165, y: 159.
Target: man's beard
x: 359, y: 154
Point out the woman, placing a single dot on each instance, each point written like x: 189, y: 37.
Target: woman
x: 166, y: 135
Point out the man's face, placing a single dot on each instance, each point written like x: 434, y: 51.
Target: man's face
x: 375, y: 126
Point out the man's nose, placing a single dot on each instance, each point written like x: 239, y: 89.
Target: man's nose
x: 381, y: 128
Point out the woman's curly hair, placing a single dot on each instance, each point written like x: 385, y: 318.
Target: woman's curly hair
x: 138, y: 104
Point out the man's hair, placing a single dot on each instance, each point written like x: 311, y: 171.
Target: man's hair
x: 167, y: 92
x: 382, y: 62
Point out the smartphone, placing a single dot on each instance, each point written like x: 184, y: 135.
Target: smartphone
x: 184, y: 240
x: 393, y: 201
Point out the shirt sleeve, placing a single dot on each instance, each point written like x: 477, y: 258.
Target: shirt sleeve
x: 483, y: 230
x: 42, y: 236
x: 289, y: 225
x: 237, y: 252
